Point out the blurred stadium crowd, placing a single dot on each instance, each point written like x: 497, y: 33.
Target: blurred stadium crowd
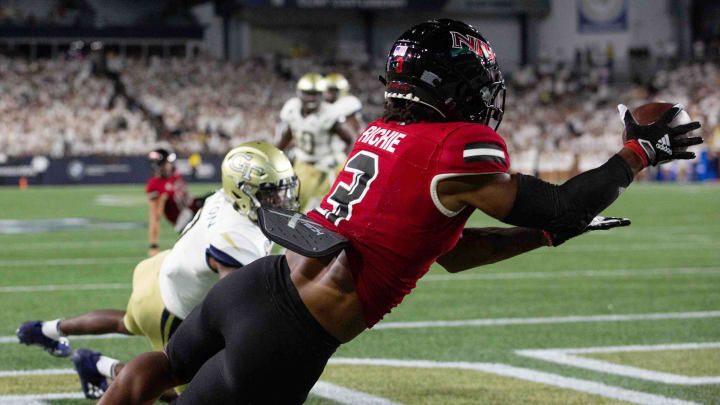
x: 67, y: 107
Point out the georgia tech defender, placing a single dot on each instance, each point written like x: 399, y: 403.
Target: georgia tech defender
x: 349, y: 106
x: 221, y: 238
x: 310, y: 124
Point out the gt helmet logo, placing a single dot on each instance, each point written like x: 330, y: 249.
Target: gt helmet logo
x: 478, y: 46
x: 244, y: 167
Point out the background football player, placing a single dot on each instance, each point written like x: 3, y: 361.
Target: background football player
x: 338, y: 94
x: 310, y: 123
x: 222, y: 237
x: 168, y: 196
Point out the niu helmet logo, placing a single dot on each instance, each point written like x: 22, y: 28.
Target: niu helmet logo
x: 478, y: 46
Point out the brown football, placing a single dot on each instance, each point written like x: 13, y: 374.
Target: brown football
x: 650, y: 112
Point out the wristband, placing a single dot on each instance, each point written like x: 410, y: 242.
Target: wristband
x: 634, y: 146
x: 153, y: 246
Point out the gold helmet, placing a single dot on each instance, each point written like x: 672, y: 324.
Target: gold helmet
x: 310, y: 89
x: 337, y: 86
x: 257, y: 174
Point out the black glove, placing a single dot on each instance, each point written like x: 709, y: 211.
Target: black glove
x: 659, y: 140
x: 598, y: 223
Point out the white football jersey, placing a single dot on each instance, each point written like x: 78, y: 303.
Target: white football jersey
x: 217, y: 230
x: 312, y: 132
x: 347, y: 105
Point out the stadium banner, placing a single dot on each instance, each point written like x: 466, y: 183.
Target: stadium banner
x: 99, y: 170
x: 602, y: 16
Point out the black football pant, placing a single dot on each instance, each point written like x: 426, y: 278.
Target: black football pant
x: 251, y: 341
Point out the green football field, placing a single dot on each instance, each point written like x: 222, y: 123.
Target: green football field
x: 630, y: 315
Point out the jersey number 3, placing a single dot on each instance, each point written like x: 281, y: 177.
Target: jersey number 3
x: 364, y: 168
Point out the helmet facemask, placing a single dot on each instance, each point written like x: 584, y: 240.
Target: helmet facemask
x: 283, y: 194
x: 310, y: 99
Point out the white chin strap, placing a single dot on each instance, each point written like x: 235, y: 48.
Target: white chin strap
x: 414, y: 99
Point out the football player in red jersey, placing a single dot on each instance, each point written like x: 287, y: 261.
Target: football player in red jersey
x: 168, y: 196
x: 264, y: 335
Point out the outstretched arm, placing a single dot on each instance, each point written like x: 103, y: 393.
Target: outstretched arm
x: 564, y: 211
x: 142, y: 381
x: 481, y: 246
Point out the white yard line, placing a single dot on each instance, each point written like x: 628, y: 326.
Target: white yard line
x: 352, y: 397
x: 434, y: 277
x: 64, y: 287
x: 37, y: 399
x: 556, y: 380
x: 347, y: 396
x: 479, y: 275
x: 63, y: 245
x: 567, y: 356
x: 77, y: 261
x: 643, y: 348
x: 640, y: 247
x: 547, y: 320
x: 13, y: 338
x: 41, y: 371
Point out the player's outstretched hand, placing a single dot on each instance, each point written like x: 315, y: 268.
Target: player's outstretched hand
x: 598, y: 223
x: 661, y: 142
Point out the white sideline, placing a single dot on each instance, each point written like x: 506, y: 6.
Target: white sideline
x: 556, y: 380
x: 14, y: 339
x: 347, y: 396
x: 547, y: 320
x: 64, y: 287
x: 478, y: 275
x: 78, y: 261
x: 568, y: 356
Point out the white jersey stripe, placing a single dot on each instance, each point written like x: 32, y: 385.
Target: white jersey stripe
x: 483, y: 152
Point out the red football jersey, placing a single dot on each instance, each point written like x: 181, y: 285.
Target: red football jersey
x: 174, y: 187
x: 385, y: 202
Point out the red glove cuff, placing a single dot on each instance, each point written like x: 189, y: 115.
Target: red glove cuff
x: 634, y: 146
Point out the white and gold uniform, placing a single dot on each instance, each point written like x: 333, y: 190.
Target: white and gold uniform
x: 347, y: 105
x: 166, y: 287
x: 315, y: 159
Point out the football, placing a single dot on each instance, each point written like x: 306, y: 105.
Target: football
x: 650, y: 112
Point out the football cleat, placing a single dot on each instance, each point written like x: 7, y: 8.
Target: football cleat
x: 93, y: 383
x: 30, y: 333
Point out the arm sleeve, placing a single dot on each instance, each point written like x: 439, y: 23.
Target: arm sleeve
x: 569, y: 208
x: 233, y: 249
x: 474, y: 148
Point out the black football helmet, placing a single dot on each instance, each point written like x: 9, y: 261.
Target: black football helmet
x: 158, y: 157
x: 448, y: 66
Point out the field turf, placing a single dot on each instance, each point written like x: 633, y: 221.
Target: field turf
x: 643, y: 301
